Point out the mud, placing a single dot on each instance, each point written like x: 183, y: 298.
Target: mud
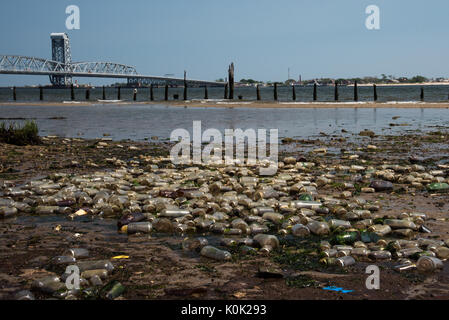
x: 158, y: 268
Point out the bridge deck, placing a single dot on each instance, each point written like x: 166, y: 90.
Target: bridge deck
x: 21, y: 65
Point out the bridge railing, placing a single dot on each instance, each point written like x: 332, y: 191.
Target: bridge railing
x: 13, y: 64
x: 30, y: 64
x: 103, y: 68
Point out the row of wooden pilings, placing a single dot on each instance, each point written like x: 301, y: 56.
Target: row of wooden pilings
x: 119, y: 95
x: 228, y: 93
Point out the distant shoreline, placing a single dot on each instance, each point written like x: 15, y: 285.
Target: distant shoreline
x: 247, y: 104
x: 400, y: 84
x: 243, y: 86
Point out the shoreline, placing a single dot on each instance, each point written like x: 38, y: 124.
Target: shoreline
x: 249, y: 104
x: 400, y: 84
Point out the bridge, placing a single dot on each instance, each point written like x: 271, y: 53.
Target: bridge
x: 61, y: 69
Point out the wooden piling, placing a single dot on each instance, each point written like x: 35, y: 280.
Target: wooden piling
x: 226, y: 91
x: 185, y: 85
x: 231, y: 81
x: 41, y: 93
x: 356, y: 93
x: 422, y: 94
x: 166, y: 93
x: 314, y: 92
x: 14, y: 94
x: 87, y: 94
x: 258, y: 93
x: 275, y: 91
x: 294, y: 93
x: 104, y: 94
x: 375, y: 92
x: 336, y: 91
x: 72, y: 92
x: 206, y: 94
x: 151, y: 92
x: 119, y: 94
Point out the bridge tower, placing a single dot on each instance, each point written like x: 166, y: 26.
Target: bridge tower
x: 60, y: 51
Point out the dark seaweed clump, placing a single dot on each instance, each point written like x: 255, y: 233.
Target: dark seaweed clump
x: 28, y: 134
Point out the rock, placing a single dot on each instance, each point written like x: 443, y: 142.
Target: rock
x: 442, y: 253
x: 269, y: 273
x: 163, y: 225
x: 416, y: 159
x: 7, y: 212
x: 320, y: 150
x: 290, y: 160
x: 381, y: 185
x: 24, y: 295
x: 367, y: 133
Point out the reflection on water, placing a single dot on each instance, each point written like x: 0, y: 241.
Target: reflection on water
x: 138, y: 122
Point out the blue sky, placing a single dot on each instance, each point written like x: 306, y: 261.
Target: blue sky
x: 321, y: 38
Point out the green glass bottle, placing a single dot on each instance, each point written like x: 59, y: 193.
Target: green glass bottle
x: 348, y: 237
x: 438, y: 187
x: 116, y: 290
x: 306, y: 197
x: 367, y: 237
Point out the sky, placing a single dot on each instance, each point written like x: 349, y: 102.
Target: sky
x: 264, y: 38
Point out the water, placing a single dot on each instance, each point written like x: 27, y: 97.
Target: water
x: 140, y: 122
x: 391, y: 93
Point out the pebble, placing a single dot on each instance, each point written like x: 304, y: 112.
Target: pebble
x: 381, y: 186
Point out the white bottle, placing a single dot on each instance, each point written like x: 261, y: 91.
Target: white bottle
x: 345, y: 261
x: 429, y: 264
x: 216, y: 254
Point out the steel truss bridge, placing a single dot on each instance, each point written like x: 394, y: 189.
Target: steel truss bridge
x: 62, y: 71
